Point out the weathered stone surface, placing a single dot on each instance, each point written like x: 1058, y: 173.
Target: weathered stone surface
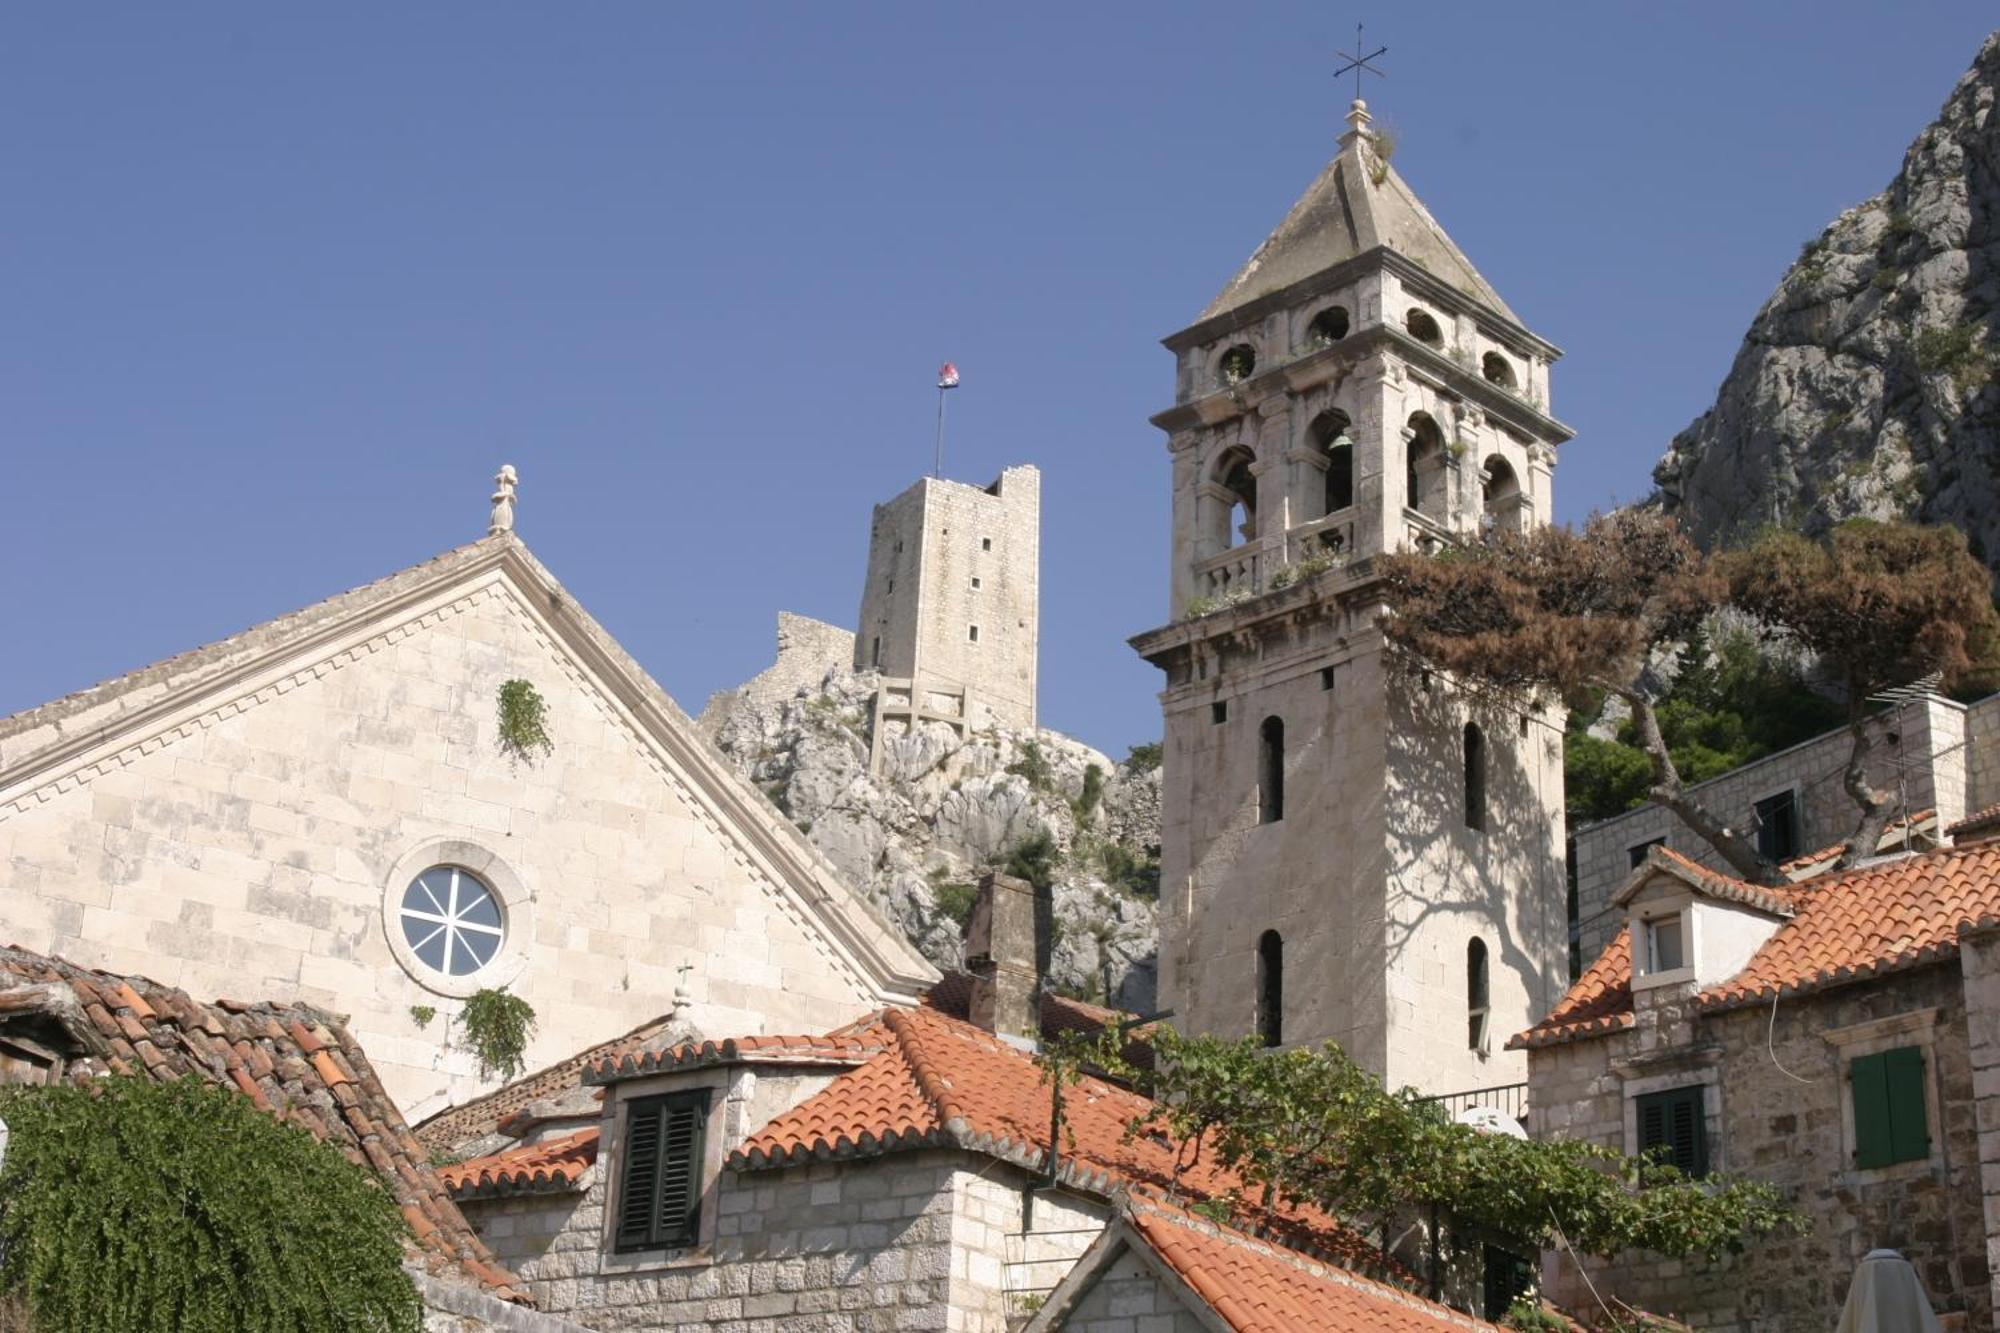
x: 915, y: 834
x: 1869, y: 384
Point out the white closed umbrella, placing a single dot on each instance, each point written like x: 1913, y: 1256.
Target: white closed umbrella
x: 1886, y: 1297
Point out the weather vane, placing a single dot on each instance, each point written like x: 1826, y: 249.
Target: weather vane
x: 1359, y: 62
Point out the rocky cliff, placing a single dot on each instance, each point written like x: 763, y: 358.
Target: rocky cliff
x: 916, y: 834
x: 1869, y: 384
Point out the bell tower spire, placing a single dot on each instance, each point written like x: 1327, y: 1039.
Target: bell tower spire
x: 1353, y: 850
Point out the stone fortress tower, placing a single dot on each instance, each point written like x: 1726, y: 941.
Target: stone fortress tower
x: 950, y: 607
x: 1352, y: 849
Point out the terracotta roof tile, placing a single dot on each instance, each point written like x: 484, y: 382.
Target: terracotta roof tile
x: 946, y: 1081
x: 1976, y: 822
x: 265, y: 1045
x: 1598, y: 1001
x: 551, y: 1166
x: 1896, y: 833
x: 839, y: 1048
x: 1262, y: 1288
x: 1845, y: 927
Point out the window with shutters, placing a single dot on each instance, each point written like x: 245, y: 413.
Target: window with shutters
x: 659, y: 1182
x: 1673, y: 1121
x: 1890, y: 1125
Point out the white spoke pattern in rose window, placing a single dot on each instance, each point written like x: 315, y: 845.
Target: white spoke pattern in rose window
x: 452, y: 921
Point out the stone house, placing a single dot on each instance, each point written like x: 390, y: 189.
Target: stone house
x: 1944, y: 756
x: 64, y: 1023
x: 1838, y: 1038
x: 321, y: 809
x: 1351, y: 849
x: 892, y: 1174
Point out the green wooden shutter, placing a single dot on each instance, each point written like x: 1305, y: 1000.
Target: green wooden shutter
x: 1673, y: 1120
x: 1909, y: 1135
x: 640, y: 1175
x: 659, y: 1197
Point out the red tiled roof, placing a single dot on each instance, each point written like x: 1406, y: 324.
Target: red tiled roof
x: 1777, y: 900
x: 1261, y: 1288
x: 293, y: 1061
x: 485, y: 1114
x: 551, y: 1166
x: 947, y: 1082
x: 1600, y: 1000
x: 1845, y: 927
x: 849, y: 1046
x: 1977, y: 821
x: 1894, y: 834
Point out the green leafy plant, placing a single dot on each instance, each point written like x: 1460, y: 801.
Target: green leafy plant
x: 1383, y: 140
x: 1137, y: 873
x: 422, y: 1014
x: 1954, y: 350
x: 1035, y: 859
x: 1144, y: 758
x: 524, y: 721
x: 955, y: 900
x: 496, y: 1026
x: 1034, y: 767
x: 1203, y: 606
x: 1884, y: 279
x: 1527, y: 1315
x: 139, y: 1207
x: 1092, y: 795
x: 1306, y: 1127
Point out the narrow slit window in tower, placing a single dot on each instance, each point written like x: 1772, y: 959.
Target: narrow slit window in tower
x: 1478, y: 992
x: 1475, y: 777
x: 1271, y: 771
x: 1271, y: 988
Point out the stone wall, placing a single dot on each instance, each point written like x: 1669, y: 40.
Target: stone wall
x: 908, y: 1241
x: 1778, y: 1111
x: 945, y: 560
x: 1129, y: 1297
x: 1937, y: 727
x: 1982, y: 751
x: 262, y: 848
x: 807, y: 650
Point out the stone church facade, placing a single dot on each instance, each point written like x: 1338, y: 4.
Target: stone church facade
x: 1352, y: 851
x: 320, y: 810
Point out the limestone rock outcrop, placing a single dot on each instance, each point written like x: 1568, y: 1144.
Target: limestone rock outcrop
x: 916, y: 833
x: 1869, y: 384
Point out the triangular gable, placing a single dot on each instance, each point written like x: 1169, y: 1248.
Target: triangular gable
x: 60, y: 745
x: 1660, y: 863
x: 1357, y: 204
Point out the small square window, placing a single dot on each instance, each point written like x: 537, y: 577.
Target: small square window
x: 1636, y: 856
x: 975, y: 583
x: 1663, y: 944
x: 1219, y: 711
x: 1673, y: 1122
x: 985, y: 543
x: 1778, y: 826
x: 972, y: 634
x: 892, y: 585
x: 1326, y: 678
x: 660, y: 1172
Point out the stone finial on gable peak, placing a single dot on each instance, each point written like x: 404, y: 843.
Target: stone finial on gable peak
x: 504, y: 482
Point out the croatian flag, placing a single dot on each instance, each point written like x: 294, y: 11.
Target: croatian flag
x: 947, y: 376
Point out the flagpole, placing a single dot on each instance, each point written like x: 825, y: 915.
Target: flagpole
x: 937, y: 469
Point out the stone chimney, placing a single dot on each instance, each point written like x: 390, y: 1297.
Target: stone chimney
x: 1007, y: 952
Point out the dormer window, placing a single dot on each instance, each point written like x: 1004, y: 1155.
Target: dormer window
x: 1665, y: 945
x: 660, y: 1172
x: 1237, y: 365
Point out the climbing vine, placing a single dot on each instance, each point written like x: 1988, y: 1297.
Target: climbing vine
x: 496, y: 1027
x: 524, y: 721
x: 137, y: 1207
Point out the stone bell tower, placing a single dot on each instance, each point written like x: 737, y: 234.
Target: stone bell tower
x: 1353, y: 849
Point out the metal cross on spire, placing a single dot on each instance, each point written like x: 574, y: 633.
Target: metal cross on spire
x: 1358, y: 62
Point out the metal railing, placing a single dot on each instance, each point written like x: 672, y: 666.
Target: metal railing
x: 1507, y: 1098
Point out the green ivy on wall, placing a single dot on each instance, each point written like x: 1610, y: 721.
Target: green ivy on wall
x: 496, y: 1027
x: 524, y: 722
x: 137, y: 1207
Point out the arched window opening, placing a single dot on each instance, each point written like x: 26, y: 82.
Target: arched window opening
x: 1237, y: 364
x: 1475, y: 777
x: 1478, y: 991
x: 1423, y: 480
x: 1238, y: 521
x: 1500, y: 495
x: 1329, y: 433
x: 1423, y: 327
x: 1328, y: 327
x: 1497, y: 369
x: 1271, y: 771
x: 1271, y: 988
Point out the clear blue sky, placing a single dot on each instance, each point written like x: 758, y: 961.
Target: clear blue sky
x: 279, y: 290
